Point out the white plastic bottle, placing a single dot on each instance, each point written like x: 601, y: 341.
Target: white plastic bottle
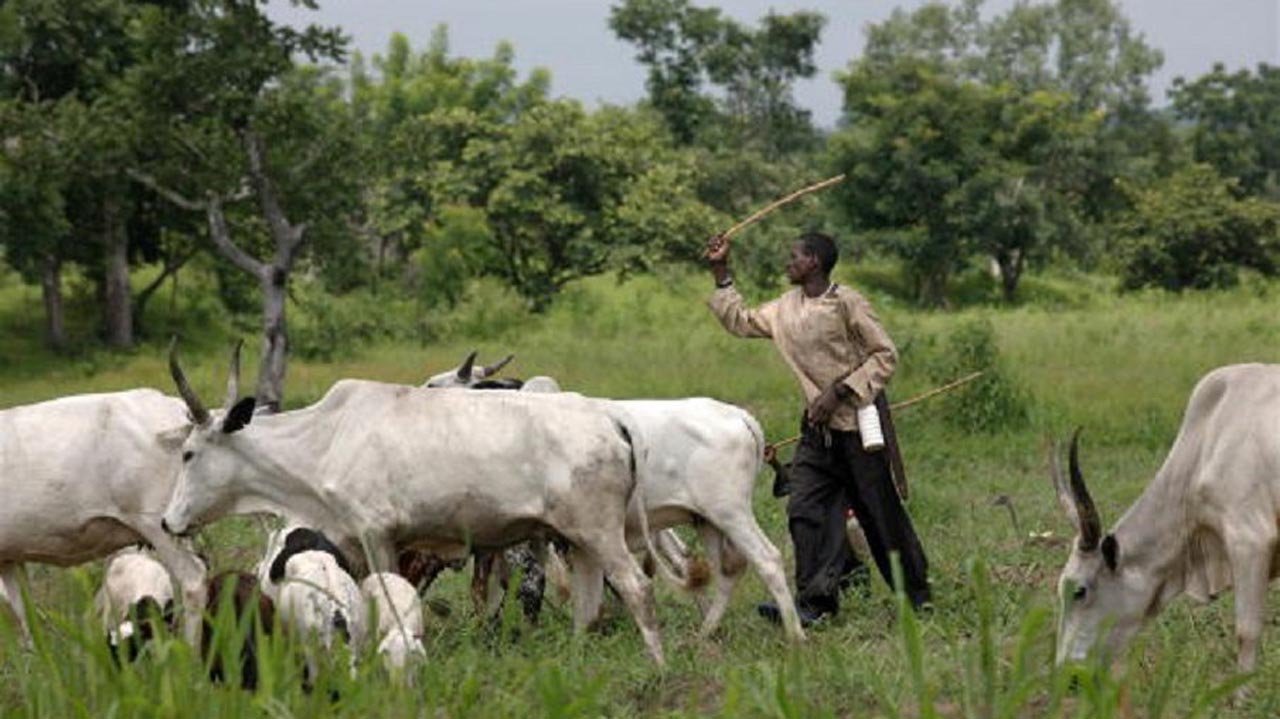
x: 869, y: 428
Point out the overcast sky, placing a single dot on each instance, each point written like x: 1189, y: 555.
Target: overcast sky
x: 572, y: 39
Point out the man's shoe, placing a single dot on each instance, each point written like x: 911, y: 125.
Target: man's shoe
x: 808, y: 617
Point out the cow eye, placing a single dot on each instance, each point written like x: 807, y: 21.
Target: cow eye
x: 1079, y: 594
x: 187, y: 455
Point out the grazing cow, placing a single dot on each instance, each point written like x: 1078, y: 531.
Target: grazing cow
x: 237, y: 597
x: 392, y: 465
x: 1206, y: 522
x: 319, y: 602
x: 700, y: 469
x: 84, y: 476
x: 136, y: 596
x: 398, y: 610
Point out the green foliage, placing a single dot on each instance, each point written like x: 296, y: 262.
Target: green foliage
x: 993, y: 402
x: 1191, y: 231
x: 686, y: 46
x: 998, y: 135
x: 454, y: 250
x: 1236, y: 124
x: 560, y: 201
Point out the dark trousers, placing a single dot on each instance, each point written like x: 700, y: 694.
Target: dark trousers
x: 827, y: 477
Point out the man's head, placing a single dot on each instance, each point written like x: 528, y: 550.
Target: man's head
x: 813, y: 254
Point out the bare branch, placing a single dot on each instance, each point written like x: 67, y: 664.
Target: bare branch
x: 287, y: 236
x: 172, y: 263
x: 221, y: 237
x: 165, y: 192
x: 271, y: 210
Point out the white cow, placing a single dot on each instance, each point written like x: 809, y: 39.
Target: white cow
x: 700, y: 469
x: 319, y: 602
x: 1206, y: 522
x: 84, y: 476
x: 703, y: 459
x: 400, y: 623
x: 135, y: 586
x: 390, y: 465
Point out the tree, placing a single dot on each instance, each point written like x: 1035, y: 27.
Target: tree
x: 1236, y: 126
x: 1192, y: 231
x: 61, y: 59
x: 416, y: 117
x: 231, y: 118
x: 686, y: 47
x: 33, y: 218
x: 1002, y: 135
x: 915, y: 139
x: 569, y: 195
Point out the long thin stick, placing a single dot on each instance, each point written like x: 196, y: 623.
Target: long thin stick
x: 934, y: 392
x: 759, y: 214
x: 905, y: 403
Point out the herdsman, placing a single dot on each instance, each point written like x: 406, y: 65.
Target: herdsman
x: 843, y: 358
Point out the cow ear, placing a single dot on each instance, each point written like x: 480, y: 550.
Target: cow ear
x: 239, y: 415
x: 171, y: 439
x: 1110, y: 551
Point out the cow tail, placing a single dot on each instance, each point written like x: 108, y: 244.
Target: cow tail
x: 757, y: 433
x: 635, y: 437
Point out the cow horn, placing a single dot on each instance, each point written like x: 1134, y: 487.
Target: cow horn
x: 1060, y: 488
x: 496, y: 367
x: 1090, y: 523
x: 464, y: 371
x: 199, y: 414
x: 233, y: 376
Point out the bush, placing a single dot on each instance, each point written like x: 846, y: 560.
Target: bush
x: 1192, y: 232
x: 990, y: 403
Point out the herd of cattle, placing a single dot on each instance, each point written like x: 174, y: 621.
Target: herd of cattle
x: 383, y: 481
x: 386, y: 472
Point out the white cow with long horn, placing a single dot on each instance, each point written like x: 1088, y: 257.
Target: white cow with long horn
x: 391, y: 465
x: 1207, y: 522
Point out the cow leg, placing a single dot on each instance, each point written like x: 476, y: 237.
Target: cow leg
x: 669, y: 545
x: 1250, y: 567
x: 587, y: 581
x: 556, y: 571
x: 187, y: 571
x: 533, y: 581
x: 481, y: 582
x: 630, y: 582
x: 750, y: 540
x: 726, y: 569
x: 11, y: 580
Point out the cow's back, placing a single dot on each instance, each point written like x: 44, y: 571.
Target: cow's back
x: 689, y: 438
x: 70, y: 467
x: 469, y: 465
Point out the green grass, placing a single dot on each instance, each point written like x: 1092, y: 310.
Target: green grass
x: 1121, y: 366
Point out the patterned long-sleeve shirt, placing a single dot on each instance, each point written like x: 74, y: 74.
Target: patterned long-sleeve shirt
x: 833, y: 337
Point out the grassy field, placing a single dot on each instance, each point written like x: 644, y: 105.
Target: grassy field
x: 1073, y: 354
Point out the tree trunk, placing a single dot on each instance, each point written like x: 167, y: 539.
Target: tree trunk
x: 51, y: 288
x: 275, y: 339
x: 118, y: 300
x: 1010, y: 272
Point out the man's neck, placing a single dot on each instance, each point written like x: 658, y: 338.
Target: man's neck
x: 816, y: 285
